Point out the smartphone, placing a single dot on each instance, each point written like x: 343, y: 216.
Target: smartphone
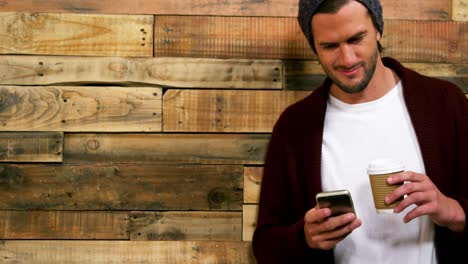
x: 339, y: 201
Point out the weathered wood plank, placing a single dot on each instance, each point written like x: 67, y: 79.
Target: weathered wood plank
x: 418, y: 10
x: 64, y: 225
x: 31, y: 147
x: 249, y: 221
x: 281, y: 38
x: 439, y: 69
x: 460, y: 10
x: 175, y: 72
x: 426, y: 41
x: 304, y: 75
x: 455, y: 73
x: 76, y: 34
x: 216, y: 226
x: 121, y: 187
x: 80, y: 109
x: 166, y: 148
x: 308, y: 75
x: 224, y: 111
x: 229, y: 37
x: 252, y: 184
x: 393, y: 9
x: 164, y: 252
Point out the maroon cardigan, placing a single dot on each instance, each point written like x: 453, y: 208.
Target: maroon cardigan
x: 439, y: 113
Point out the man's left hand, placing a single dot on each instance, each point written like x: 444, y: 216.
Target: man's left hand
x: 422, y: 192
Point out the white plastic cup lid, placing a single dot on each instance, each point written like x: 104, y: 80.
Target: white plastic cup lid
x: 384, y: 166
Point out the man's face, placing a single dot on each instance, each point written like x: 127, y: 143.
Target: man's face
x: 346, y: 44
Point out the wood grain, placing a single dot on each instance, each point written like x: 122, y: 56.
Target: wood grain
x: 252, y: 184
x: 64, y: 225
x: 31, y: 147
x: 249, y: 221
x: 121, y: 187
x: 54, y: 108
x: 166, y: 148
x: 173, y: 72
x: 459, y: 10
x: 303, y: 75
x: 417, y: 10
x: 216, y: 226
x: 455, y: 73
x: 76, y: 34
x: 225, y: 111
x: 393, y: 9
x: 229, y: 37
x: 308, y: 75
x: 164, y: 252
x: 426, y: 41
x: 281, y: 38
x: 439, y: 69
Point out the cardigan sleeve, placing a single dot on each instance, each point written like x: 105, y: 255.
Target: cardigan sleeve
x: 279, y: 236
x: 449, y: 244
x: 460, y: 103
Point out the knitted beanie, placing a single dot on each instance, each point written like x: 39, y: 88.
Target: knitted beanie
x: 307, y: 9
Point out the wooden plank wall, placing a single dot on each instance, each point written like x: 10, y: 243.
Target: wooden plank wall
x: 136, y: 132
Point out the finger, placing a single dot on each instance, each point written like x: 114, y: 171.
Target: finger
x: 329, y: 244
x: 427, y: 189
x: 405, y: 189
x: 335, y: 222
x: 405, y: 176
x: 316, y: 214
x: 339, y: 233
x: 416, y: 212
x: 329, y: 239
x: 417, y: 198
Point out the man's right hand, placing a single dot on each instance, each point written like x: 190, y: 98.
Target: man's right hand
x: 324, y: 232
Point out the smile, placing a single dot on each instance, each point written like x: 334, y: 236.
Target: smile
x: 349, y: 72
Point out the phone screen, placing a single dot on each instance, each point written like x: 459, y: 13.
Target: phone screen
x: 339, y: 202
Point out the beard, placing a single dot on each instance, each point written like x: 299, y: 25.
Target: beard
x: 369, y: 69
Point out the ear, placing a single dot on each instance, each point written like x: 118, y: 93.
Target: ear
x: 378, y: 35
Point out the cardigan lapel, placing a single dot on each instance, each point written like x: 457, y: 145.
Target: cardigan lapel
x: 313, y: 132
x: 415, y: 94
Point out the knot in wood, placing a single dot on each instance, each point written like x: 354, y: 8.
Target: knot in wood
x: 216, y: 197
x: 93, y: 144
x: 118, y: 67
x: 453, y: 46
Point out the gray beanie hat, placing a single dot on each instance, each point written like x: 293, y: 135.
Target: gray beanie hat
x: 307, y: 9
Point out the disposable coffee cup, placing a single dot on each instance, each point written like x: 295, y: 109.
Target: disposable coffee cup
x: 379, y: 170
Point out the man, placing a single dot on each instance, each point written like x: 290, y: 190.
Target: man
x: 367, y: 108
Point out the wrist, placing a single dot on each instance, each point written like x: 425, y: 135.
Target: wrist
x: 458, y: 220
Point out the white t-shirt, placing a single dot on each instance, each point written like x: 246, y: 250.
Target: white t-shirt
x: 355, y: 134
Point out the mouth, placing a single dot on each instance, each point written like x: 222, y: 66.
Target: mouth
x: 349, y: 72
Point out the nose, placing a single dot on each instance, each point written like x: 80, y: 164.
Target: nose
x: 347, y: 57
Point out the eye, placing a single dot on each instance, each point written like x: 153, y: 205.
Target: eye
x: 355, y: 40
x: 330, y: 46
